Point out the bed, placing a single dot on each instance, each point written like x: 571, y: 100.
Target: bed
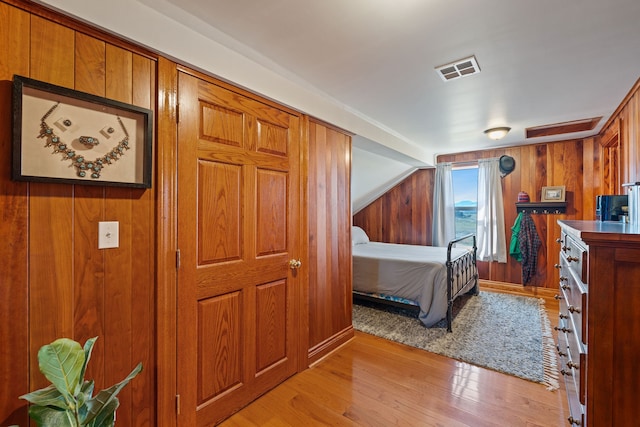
x: 427, y: 278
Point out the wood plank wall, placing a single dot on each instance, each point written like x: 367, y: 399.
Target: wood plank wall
x: 55, y: 281
x: 550, y: 164
x: 621, y: 138
x: 329, y: 210
x: 403, y: 214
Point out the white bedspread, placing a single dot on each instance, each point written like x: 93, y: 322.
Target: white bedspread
x: 415, y: 272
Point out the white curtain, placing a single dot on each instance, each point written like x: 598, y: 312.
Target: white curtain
x: 444, y: 228
x: 490, y: 230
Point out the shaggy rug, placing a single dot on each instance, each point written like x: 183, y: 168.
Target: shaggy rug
x: 506, y: 333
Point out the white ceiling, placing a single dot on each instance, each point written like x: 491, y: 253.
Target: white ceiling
x: 542, y: 62
x: 369, y: 65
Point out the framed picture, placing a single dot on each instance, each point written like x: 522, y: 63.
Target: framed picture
x: 62, y: 135
x: 552, y: 194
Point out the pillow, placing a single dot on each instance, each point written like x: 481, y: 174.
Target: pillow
x: 358, y: 236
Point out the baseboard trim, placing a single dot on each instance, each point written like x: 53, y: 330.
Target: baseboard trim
x: 548, y: 294
x: 328, y: 346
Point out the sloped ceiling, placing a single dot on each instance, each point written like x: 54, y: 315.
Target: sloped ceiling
x: 372, y: 175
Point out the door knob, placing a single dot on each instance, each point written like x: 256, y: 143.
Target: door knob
x: 294, y: 264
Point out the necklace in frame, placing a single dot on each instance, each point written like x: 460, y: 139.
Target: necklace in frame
x: 84, y: 167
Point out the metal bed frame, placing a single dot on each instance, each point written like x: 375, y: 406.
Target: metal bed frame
x: 462, y: 278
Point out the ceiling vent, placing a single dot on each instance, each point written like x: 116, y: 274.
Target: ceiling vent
x: 460, y: 68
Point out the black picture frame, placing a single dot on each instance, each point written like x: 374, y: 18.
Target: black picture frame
x: 66, y: 136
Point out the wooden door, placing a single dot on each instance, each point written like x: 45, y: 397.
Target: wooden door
x: 238, y: 229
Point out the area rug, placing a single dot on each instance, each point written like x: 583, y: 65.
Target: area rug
x: 506, y: 333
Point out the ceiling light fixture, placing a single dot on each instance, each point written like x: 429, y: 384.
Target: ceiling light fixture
x: 497, y: 133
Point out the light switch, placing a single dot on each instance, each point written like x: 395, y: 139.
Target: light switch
x: 108, y: 234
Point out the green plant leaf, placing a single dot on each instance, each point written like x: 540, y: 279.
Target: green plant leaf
x: 88, y: 348
x: 68, y: 401
x: 86, y: 393
x: 46, y: 416
x: 100, y: 406
x: 87, y: 388
x: 48, y: 396
x: 107, y: 416
x: 61, y: 363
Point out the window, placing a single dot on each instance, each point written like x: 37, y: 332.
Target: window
x: 465, y: 192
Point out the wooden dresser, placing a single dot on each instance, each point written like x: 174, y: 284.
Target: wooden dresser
x: 599, y: 322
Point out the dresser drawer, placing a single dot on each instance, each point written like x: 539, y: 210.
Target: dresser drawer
x: 574, y: 301
x: 575, y: 254
x: 572, y: 359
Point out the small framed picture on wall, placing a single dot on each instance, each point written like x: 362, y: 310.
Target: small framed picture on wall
x: 552, y: 194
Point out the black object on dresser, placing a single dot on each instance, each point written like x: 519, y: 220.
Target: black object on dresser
x: 599, y: 321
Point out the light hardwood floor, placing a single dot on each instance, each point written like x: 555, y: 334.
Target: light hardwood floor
x: 374, y: 382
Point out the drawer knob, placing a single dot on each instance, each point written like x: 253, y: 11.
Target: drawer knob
x: 566, y: 248
x: 565, y: 287
x: 573, y: 309
x: 567, y: 373
x: 563, y: 279
x: 563, y: 329
x: 559, y: 240
x: 572, y: 259
x: 575, y: 366
x: 557, y: 266
x: 557, y: 297
x: 573, y: 421
x: 563, y: 316
x: 560, y: 353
